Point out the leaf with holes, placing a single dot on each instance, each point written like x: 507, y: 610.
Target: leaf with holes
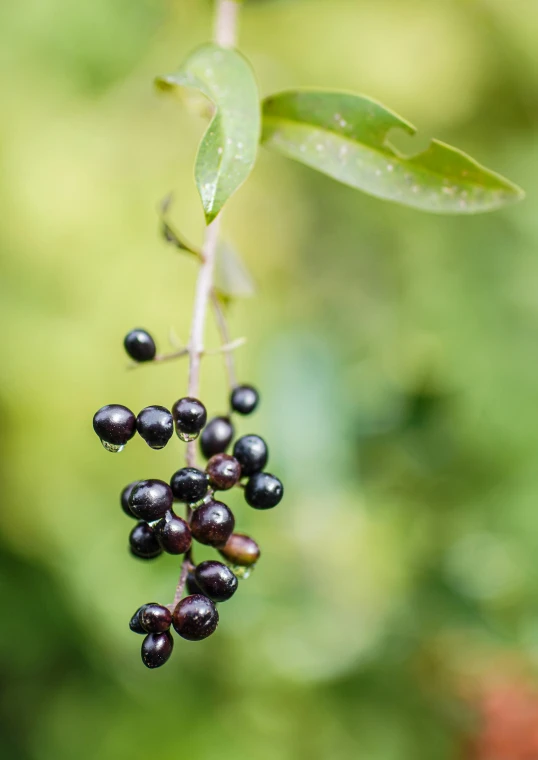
x: 228, y: 148
x: 346, y: 137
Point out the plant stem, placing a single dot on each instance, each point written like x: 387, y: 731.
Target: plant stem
x: 225, y: 34
x: 226, y: 23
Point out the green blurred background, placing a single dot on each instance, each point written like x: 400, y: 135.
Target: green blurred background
x: 397, y: 356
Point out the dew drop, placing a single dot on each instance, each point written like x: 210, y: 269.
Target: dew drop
x: 186, y: 437
x: 112, y: 447
x: 242, y: 572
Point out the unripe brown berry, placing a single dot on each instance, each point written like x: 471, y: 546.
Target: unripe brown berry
x: 240, y: 550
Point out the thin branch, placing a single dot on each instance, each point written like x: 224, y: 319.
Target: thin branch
x: 204, y: 286
x: 225, y: 34
x: 226, y: 23
x: 225, y: 348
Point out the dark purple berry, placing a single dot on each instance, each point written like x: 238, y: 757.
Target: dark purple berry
x: 216, y: 436
x: 216, y: 580
x: 195, y: 617
x: 125, y: 496
x: 263, y: 491
x: 189, y: 484
x: 140, y: 345
x: 134, y: 624
x: 151, y: 499
x: 212, y: 523
x: 244, y: 399
x: 154, y: 618
x: 155, y: 425
x: 190, y: 416
x: 224, y: 471
x: 173, y: 534
x: 240, y: 550
x: 115, y: 425
x: 251, y: 453
x: 143, y: 542
x: 192, y: 586
x: 156, y: 649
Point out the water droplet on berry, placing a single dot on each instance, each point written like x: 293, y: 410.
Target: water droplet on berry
x: 186, y: 437
x: 112, y: 447
x: 242, y: 572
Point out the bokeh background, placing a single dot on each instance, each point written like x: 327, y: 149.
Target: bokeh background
x: 394, y: 612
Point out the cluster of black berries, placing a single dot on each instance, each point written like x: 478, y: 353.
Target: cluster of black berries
x: 209, y: 521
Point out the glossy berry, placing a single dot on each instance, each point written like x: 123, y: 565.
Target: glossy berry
x: 216, y: 436
x: 115, y: 425
x: 216, y: 580
x: 155, y: 425
x: 240, y: 550
x: 125, y: 496
x: 156, y: 649
x: 212, y: 523
x: 154, y: 618
x: 134, y: 624
x: 224, y: 471
x: 140, y: 345
x: 173, y: 534
x: 195, y: 617
x: 190, y: 417
x: 151, y: 499
x: 244, y: 399
x: 251, y: 453
x: 189, y: 484
x: 192, y: 586
x: 143, y: 542
x: 263, y: 491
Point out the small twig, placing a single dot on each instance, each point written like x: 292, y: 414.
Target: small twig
x: 226, y: 348
x: 159, y: 358
x: 186, y: 566
x: 225, y: 34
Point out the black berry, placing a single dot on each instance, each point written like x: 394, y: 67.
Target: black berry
x: 216, y: 580
x: 151, y: 499
x: 143, y: 542
x: 173, y: 534
x: 244, y: 399
x: 155, y: 425
x: 263, y: 491
x: 212, y: 523
x: 224, y: 471
x: 195, y: 617
x: 189, y: 484
x: 115, y: 425
x: 251, y: 453
x: 154, y: 618
x: 125, y: 496
x: 156, y: 649
x: 140, y: 345
x: 216, y: 436
x: 134, y: 624
x: 190, y: 417
x: 240, y: 550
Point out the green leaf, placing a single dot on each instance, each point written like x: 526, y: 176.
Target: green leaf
x: 346, y: 137
x: 228, y: 148
x: 232, y: 278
